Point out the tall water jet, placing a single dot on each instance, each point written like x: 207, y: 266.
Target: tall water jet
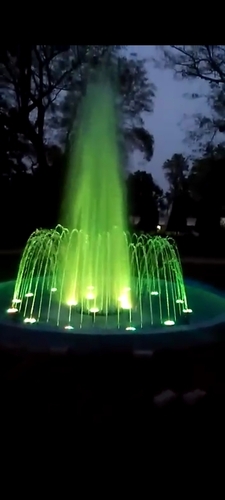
x: 97, y: 265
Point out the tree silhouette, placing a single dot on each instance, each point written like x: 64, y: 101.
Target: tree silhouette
x: 206, y: 63
x: 175, y: 170
x: 145, y: 198
x: 206, y: 184
x: 39, y: 82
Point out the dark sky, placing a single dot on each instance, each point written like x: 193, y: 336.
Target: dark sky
x: 169, y: 109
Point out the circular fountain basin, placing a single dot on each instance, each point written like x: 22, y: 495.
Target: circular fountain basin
x: 205, y: 324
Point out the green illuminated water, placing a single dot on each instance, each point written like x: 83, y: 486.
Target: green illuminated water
x: 156, y: 295
x: 98, y: 259
x: 96, y: 274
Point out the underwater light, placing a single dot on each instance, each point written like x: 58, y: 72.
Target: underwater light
x: 179, y: 301
x: 154, y: 293
x: 17, y: 301
x: 30, y: 320
x: 124, y: 302
x: 12, y: 310
x: 29, y: 294
x: 169, y: 322
x: 72, y: 302
x: 68, y: 327
x: 131, y: 328
x: 187, y: 311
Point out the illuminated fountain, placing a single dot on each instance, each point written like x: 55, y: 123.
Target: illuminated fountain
x: 57, y: 284
x: 96, y: 276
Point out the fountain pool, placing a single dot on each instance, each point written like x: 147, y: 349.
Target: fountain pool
x: 204, y: 325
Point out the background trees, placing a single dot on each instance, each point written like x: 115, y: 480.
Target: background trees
x: 41, y: 87
x: 206, y: 63
x: 145, y: 199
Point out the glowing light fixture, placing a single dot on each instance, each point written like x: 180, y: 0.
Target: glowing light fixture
x: 179, y: 301
x: 187, y: 311
x: 124, y: 302
x: 53, y: 289
x: 155, y: 293
x: 29, y: 294
x: 12, y: 310
x: 68, y: 327
x: 30, y: 320
x: 130, y: 328
x: 169, y: 322
x: 17, y: 301
x: 72, y: 302
x: 94, y: 310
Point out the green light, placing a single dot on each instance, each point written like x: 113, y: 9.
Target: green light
x: 179, y: 301
x: 130, y: 328
x: 68, y: 327
x: 154, y: 293
x: 187, y: 311
x: 169, y: 322
x: 53, y: 289
x: 29, y: 294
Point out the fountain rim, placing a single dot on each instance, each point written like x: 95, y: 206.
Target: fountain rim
x: 107, y: 332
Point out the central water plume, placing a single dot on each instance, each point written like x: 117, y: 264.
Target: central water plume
x: 97, y: 258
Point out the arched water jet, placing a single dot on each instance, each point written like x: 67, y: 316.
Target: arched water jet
x: 48, y: 290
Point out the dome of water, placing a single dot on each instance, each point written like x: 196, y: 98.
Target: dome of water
x: 57, y: 284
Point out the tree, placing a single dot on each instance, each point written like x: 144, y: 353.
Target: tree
x: 206, y: 184
x: 31, y: 78
x: 207, y: 63
x: 202, y: 61
x: 36, y: 81
x: 175, y: 170
x: 144, y: 199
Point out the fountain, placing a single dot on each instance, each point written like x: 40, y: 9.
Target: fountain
x: 88, y: 275
x: 57, y: 284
